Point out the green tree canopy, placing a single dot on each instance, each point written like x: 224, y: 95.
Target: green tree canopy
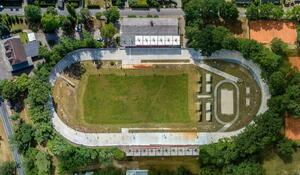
x: 33, y: 14
x: 8, y: 168
x: 112, y: 14
x: 228, y: 11
x: 279, y: 47
x: 50, y: 22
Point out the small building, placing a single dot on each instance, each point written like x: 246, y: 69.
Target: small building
x: 208, y: 88
x: 32, y: 49
x: 208, y: 77
x: 208, y: 116
x: 137, y: 172
x: 208, y: 106
x: 16, y: 55
x: 149, y: 32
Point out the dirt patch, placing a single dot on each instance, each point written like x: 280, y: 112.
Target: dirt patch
x: 5, y: 152
x: 264, y: 31
x: 292, y: 128
x: 295, y: 62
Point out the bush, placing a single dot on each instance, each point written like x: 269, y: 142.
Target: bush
x: 15, y: 116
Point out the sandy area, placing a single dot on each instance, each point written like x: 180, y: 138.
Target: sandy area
x: 227, y: 102
x: 295, y: 62
x: 265, y: 31
x: 5, y: 152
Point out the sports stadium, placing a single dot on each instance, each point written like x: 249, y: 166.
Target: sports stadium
x: 154, y: 101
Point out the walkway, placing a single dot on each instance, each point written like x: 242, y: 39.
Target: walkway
x: 163, y: 138
x: 9, y: 132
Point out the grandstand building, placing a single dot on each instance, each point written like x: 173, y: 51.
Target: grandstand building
x: 149, y: 32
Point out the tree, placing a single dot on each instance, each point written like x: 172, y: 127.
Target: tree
x: 50, y: 22
x: 246, y: 167
x: 24, y: 137
x: 4, y: 30
x: 33, y: 14
x: 132, y: 3
x: 99, y: 15
x: 43, y: 163
x: 208, y: 40
x: 71, y: 10
x: 153, y: 3
x: 112, y: 14
x: 8, y: 168
x: 252, y: 12
x: 51, y: 10
x: 108, y: 32
x: 277, y: 83
x: 279, y: 47
x: 292, y: 100
x: 68, y: 25
x: 207, y: 10
x: 228, y: 11
x: 294, y: 13
x: 285, y: 147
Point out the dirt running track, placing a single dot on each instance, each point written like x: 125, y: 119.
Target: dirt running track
x: 264, y: 31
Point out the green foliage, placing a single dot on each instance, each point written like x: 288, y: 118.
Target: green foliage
x: 43, y: 163
x: 112, y: 14
x: 294, y: 13
x: 108, y: 32
x: 206, y: 10
x: 33, y: 14
x: 4, y: 30
x: 292, y: 99
x: 228, y: 11
x: 15, y: 116
x: 71, y: 158
x: 109, y: 171
x: 279, y: 47
x: 71, y: 10
x: 50, y: 22
x: 68, y: 24
x: 132, y: 3
x: 208, y: 40
x: 264, y: 11
x: 8, y: 168
x: 153, y: 3
x: 277, y: 83
x: 99, y: 15
x: 245, y: 167
x: 23, y: 137
x: 286, y: 147
x: 14, y: 90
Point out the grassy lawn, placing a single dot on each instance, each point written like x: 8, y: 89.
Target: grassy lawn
x: 23, y: 37
x: 115, y: 99
x: 274, y: 165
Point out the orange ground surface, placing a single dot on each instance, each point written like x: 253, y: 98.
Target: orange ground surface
x: 295, y: 62
x: 265, y: 31
x: 292, y: 128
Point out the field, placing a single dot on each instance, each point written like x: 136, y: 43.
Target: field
x: 152, y: 97
x: 274, y: 165
x: 116, y: 99
x: 265, y: 31
x: 5, y: 152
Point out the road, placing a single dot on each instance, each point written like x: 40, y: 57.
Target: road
x: 9, y: 132
x: 176, y: 12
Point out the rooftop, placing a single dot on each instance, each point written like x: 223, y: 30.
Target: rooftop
x: 132, y: 27
x: 14, y: 51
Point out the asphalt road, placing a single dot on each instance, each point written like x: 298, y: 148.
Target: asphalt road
x: 9, y: 132
x: 123, y: 12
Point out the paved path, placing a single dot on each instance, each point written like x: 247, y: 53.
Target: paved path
x: 166, y: 12
x: 218, y: 72
x: 150, y: 138
x: 9, y: 132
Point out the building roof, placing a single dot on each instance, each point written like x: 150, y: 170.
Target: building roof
x: 32, y: 48
x: 131, y: 27
x: 31, y: 37
x: 14, y: 51
x: 137, y: 172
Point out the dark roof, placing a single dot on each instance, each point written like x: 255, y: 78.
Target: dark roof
x: 32, y: 48
x: 243, y: 1
x: 14, y: 51
x: 131, y: 27
x: 271, y: 1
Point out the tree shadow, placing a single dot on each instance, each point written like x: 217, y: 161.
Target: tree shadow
x: 75, y: 71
